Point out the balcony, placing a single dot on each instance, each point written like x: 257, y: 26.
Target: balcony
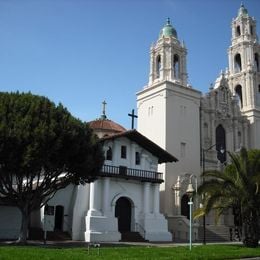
x: 133, y: 174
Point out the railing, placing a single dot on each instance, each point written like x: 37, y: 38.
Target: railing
x: 129, y: 173
x: 140, y: 229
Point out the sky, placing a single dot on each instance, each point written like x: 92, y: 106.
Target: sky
x: 82, y: 52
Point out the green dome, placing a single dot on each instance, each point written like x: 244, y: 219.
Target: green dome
x: 242, y: 11
x: 168, y: 30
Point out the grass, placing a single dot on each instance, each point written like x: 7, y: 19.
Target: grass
x: 128, y: 253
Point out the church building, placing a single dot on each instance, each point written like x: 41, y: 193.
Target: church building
x: 199, y: 129
x: 140, y: 193
x: 122, y: 204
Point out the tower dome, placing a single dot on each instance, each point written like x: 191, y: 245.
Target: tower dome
x: 242, y: 11
x: 168, y: 30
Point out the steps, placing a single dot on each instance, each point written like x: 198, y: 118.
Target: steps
x: 215, y: 233
x: 132, y: 237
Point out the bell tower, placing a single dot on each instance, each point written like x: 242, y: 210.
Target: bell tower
x: 168, y: 58
x: 244, y: 70
x: 168, y: 113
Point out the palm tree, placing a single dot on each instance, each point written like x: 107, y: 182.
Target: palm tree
x: 236, y: 187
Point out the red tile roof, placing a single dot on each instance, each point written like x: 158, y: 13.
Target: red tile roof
x: 107, y: 125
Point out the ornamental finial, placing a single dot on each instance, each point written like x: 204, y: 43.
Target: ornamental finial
x: 103, y: 116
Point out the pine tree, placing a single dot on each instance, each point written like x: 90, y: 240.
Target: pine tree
x: 43, y: 148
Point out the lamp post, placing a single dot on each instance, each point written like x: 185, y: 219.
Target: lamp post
x: 203, y: 179
x: 190, y: 192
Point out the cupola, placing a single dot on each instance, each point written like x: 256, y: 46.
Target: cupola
x: 168, y: 30
x: 242, y: 11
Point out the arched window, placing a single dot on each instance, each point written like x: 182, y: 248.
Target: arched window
x: 238, y: 90
x: 109, y: 154
x: 257, y: 62
x: 251, y: 30
x: 185, y: 211
x: 238, y: 31
x: 158, y: 66
x: 221, y: 143
x: 238, y: 64
x: 176, y: 66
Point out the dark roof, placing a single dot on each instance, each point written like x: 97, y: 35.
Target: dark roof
x: 153, y: 148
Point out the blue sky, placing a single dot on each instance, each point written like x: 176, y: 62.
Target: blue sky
x: 80, y: 52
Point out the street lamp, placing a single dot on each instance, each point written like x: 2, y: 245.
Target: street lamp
x: 190, y: 192
x: 222, y: 151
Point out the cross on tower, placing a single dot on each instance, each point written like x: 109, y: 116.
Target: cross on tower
x: 133, y: 116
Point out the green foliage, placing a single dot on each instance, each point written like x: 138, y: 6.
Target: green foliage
x: 36, y: 135
x: 237, y: 187
x: 43, y: 148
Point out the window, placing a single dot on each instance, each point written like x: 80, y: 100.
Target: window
x: 238, y: 90
x: 150, y: 111
x: 176, y: 66
x: 257, y: 62
x: 137, y: 158
x: 251, y: 30
x: 49, y: 210
x: 259, y: 88
x: 123, y: 152
x: 238, y: 31
x: 158, y: 66
x: 238, y: 64
x: 185, y: 210
x: 221, y: 143
x: 109, y: 154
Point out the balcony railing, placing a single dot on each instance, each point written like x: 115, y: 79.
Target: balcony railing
x: 129, y: 173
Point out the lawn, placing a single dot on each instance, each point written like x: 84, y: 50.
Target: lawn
x: 131, y: 252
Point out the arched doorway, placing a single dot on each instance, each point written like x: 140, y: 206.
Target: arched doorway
x: 59, y: 214
x: 123, y: 212
x: 185, y: 210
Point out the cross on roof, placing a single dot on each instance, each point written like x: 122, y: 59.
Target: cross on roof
x: 104, y: 110
x: 133, y: 116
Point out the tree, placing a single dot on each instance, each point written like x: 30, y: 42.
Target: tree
x: 237, y: 187
x: 43, y: 148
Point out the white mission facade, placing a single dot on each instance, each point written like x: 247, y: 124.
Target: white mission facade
x: 141, y: 191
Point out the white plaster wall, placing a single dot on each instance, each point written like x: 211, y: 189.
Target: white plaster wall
x: 63, y: 198
x: 151, y: 121
x: 132, y: 190
x: 101, y: 225
x: 80, y: 209
x: 175, y: 120
x: 10, y: 222
x: 148, y: 161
